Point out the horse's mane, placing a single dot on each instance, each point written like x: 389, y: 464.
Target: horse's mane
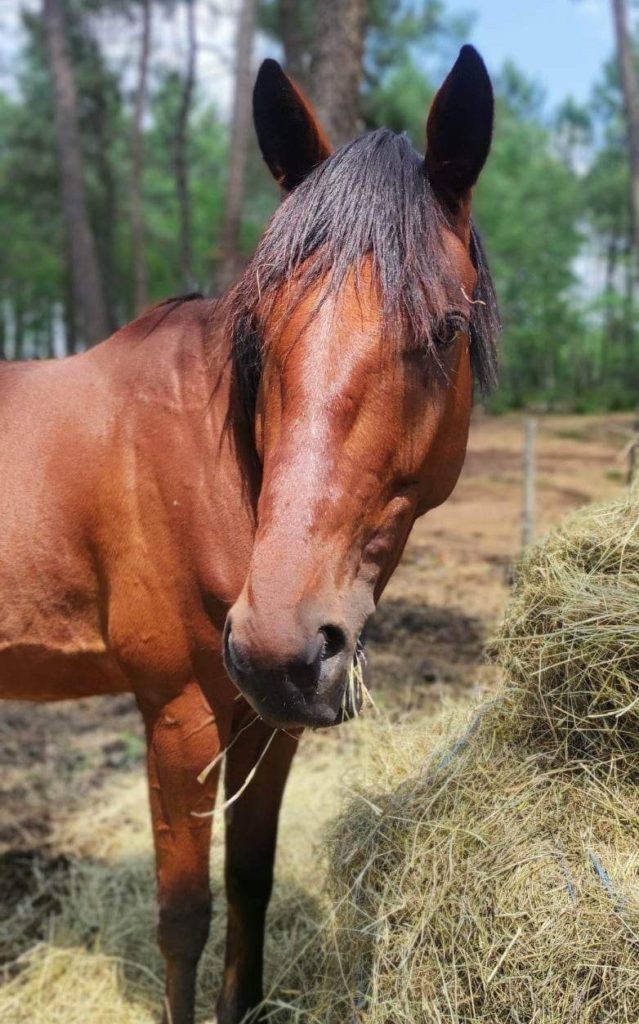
x: 370, y: 199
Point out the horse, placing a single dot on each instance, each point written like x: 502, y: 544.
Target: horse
x: 204, y: 509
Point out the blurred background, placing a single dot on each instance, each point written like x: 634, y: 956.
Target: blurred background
x: 129, y: 169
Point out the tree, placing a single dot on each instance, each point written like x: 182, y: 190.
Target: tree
x: 85, y: 273
x: 230, y: 259
x: 607, y: 196
x: 337, y: 65
x: 630, y: 87
x: 137, y: 164
x: 181, y: 151
x: 554, y: 205
x: 292, y: 25
x: 399, y: 41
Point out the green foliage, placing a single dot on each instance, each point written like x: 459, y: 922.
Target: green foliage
x: 528, y: 207
x: 552, y: 205
x: 207, y: 168
x: 33, y: 274
x: 33, y: 270
x: 401, y: 100
x: 408, y: 43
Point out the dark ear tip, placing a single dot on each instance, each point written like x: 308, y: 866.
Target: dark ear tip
x: 269, y: 85
x: 269, y: 68
x: 468, y: 52
x: 470, y: 60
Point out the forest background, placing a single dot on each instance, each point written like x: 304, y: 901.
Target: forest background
x: 129, y: 171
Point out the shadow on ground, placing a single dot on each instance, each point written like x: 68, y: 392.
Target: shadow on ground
x: 416, y: 652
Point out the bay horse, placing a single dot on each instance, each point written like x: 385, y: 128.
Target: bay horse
x: 204, y: 509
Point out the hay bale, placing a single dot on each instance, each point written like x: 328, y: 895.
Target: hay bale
x: 501, y: 882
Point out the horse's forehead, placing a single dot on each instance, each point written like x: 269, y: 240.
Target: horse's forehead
x: 305, y: 320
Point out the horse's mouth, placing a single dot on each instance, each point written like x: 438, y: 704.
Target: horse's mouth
x: 355, y: 688
x: 338, y: 696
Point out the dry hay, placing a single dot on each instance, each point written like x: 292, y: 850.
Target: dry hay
x: 501, y: 882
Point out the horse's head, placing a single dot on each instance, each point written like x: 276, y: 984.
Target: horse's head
x: 358, y: 325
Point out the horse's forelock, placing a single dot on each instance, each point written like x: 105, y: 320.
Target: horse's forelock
x: 369, y: 201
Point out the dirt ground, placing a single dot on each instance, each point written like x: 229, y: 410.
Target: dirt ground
x: 71, y: 776
x: 451, y: 586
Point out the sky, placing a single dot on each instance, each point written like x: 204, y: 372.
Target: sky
x: 560, y: 43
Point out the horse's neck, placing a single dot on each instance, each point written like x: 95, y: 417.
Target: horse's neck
x: 173, y: 370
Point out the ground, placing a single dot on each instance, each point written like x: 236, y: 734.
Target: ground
x: 76, y: 894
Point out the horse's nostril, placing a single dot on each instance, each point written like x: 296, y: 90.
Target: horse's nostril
x: 228, y: 647
x: 334, y: 641
x: 235, y: 658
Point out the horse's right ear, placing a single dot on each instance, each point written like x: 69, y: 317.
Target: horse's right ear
x: 290, y: 137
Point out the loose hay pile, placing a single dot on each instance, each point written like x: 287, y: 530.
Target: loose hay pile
x: 500, y: 882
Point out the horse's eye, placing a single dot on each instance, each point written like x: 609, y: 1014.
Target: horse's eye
x: 450, y: 329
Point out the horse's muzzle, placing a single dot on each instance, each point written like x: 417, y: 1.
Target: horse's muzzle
x: 313, y: 689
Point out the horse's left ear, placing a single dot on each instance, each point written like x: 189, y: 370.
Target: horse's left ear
x: 289, y: 134
x: 460, y: 126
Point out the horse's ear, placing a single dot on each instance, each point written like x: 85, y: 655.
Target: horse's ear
x: 460, y: 126
x: 290, y: 137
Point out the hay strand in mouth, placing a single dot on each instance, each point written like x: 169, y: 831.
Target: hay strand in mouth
x: 356, y: 694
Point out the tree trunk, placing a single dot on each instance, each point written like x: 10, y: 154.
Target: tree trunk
x: 3, y: 324
x: 18, y: 338
x: 70, y: 325
x: 629, y: 334
x: 630, y: 88
x: 292, y: 36
x: 181, y: 153
x: 106, y: 139
x: 50, y: 336
x: 84, y: 267
x: 608, y: 339
x: 337, y: 65
x: 230, y: 255
x: 140, y: 272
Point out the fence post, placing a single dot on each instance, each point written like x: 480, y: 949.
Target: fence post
x: 528, y: 514
x: 633, y: 450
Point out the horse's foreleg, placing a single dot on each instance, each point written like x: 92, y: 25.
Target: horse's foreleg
x: 251, y: 832
x: 183, y: 737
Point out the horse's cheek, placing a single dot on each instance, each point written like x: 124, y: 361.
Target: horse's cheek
x: 447, y: 451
